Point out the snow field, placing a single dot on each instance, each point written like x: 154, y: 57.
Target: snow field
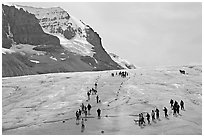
x: 39, y: 104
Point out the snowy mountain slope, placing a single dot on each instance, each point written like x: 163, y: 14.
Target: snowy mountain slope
x: 53, y: 42
x: 74, y: 35
x: 39, y: 104
x: 122, y: 62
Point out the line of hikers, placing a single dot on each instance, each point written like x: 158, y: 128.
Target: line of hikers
x: 174, y: 105
x: 141, y: 117
x: 97, y: 97
x: 86, y: 109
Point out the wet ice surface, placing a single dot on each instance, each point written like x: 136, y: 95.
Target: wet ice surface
x: 39, y: 104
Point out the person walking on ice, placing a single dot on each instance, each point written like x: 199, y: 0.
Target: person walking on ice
x: 148, y: 118
x: 165, y: 112
x: 82, y: 107
x: 182, y: 105
x: 142, y: 119
x: 89, y: 108
x: 82, y: 125
x: 96, y: 86
x: 79, y: 112
x: 177, y: 109
x: 88, y: 94
x: 153, y: 115
x: 99, y: 112
x: 157, y: 113
x: 77, y: 117
x: 97, y: 98
x: 171, y: 103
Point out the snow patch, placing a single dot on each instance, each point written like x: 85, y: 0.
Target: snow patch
x: 9, y: 51
x: 78, y: 24
x: 53, y: 58
x: 62, y: 59
x: 176, y: 85
x: 76, y: 45
x: 35, y: 61
x: 26, y: 48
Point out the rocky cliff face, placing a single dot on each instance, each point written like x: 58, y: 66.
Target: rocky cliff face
x: 23, y: 27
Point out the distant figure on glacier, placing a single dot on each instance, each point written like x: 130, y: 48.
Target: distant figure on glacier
x: 112, y: 74
x: 165, y: 112
x: 82, y: 107
x: 142, y: 119
x: 175, y: 107
x: 171, y: 103
x: 182, y: 72
x: 148, y: 118
x: 99, y: 112
x: 182, y: 105
x: 153, y: 115
x: 89, y: 108
x: 97, y: 98
x: 82, y: 125
x: 79, y: 112
x: 94, y: 91
x: 85, y: 113
x: 77, y: 117
x: 157, y: 113
x: 96, y: 85
x: 88, y: 94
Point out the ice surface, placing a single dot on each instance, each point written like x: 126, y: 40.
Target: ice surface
x: 39, y: 104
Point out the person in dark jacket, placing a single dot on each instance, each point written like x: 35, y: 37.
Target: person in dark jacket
x: 89, y: 108
x: 97, y: 98
x: 99, y: 112
x: 157, y: 113
x: 148, y: 118
x: 182, y: 105
x: 165, y: 112
x: 153, y: 115
x: 171, y: 103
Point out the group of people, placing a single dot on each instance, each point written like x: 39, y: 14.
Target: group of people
x: 155, y: 113
x: 92, y: 91
x: 175, y: 106
x: 123, y: 74
x: 85, y: 109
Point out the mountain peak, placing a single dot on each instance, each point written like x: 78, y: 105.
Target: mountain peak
x: 50, y: 40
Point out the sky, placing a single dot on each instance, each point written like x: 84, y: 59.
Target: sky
x: 145, y: 34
